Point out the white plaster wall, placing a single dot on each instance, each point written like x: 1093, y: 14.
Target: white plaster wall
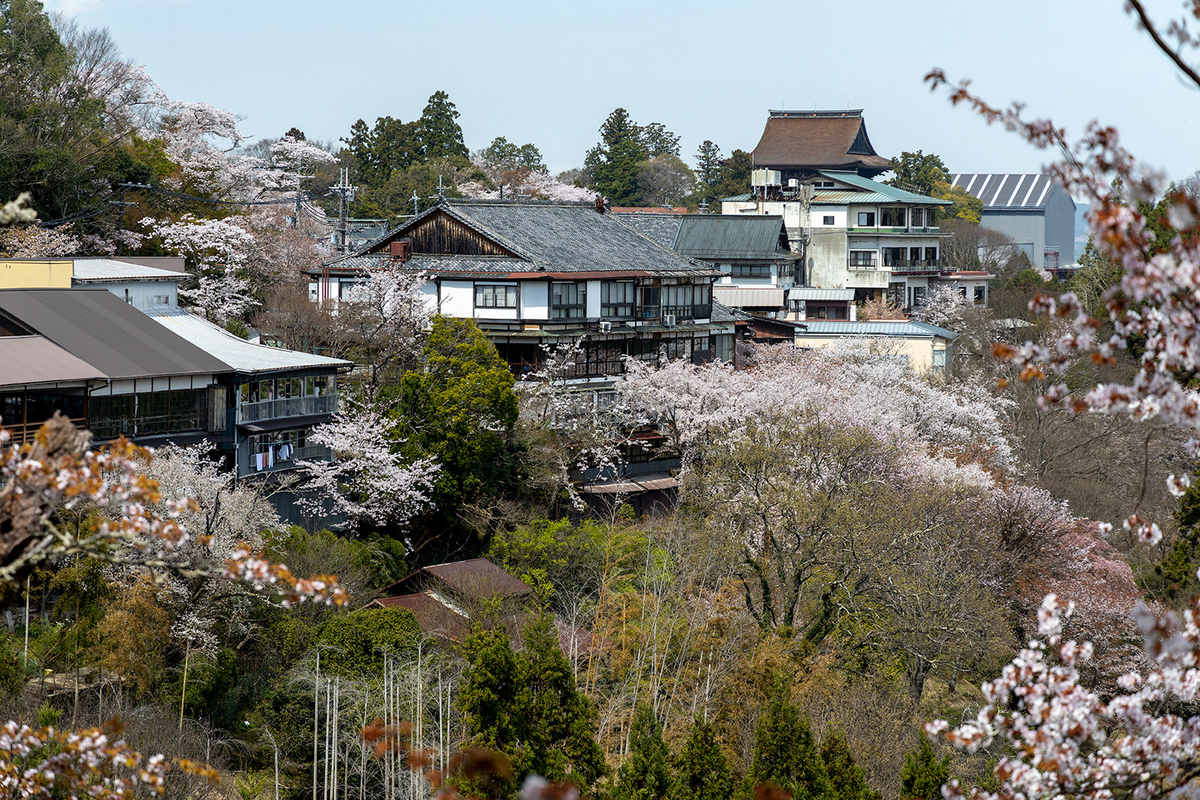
x: 141, y: 294
x: 593, y: 299
x: 458, y: 298
x: 534, y: 299
x: 429, y: 294
x: 818, y: 214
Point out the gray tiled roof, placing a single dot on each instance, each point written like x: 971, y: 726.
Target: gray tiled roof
x: 548, y: 237
x: 659, y: 227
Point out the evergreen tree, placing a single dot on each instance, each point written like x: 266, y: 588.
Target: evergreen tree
x: 848, y: 780
x: 644, y: 774
x: 658, y: 141
x: 733, y: 176
x: 614, y: 163
x: 701, y: 772
x: 923, y: 774
x: 556, y: 724
x: 708, y: 168
x: 490, y: 688
x: 785, y: 752
x: 441, y: 136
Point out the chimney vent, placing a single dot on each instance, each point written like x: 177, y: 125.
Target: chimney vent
x: 599, y: 205
x: 402, y: 249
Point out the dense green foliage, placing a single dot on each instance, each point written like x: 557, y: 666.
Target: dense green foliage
x: 460, y: 408
x: 58, y: 140
x: 847, y: 779
x: 924, y: 773
x: 357, y: 642
x: 527, y: 706
x: 785, y: 752
x: 645, y: 774
x: 701, y: 770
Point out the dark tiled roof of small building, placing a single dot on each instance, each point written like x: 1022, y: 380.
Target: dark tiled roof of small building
x: 96, y: 326
x: 717, y: 237
x: 818, y: 139
x: 433, y: 616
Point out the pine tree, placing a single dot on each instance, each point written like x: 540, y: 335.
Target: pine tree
x: 441, y: 136
x: 701, y: 772
x: 785, y: 752
x: 556, y: 724
x: 644, y: 774
x: 616, y: 160
x: 708, y: 168
x: 848, y: 780
x: 923, y: 774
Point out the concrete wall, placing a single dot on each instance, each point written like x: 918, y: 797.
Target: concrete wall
x: 1027, y: 229
x: 1060, y: 225
x: 35, y: 274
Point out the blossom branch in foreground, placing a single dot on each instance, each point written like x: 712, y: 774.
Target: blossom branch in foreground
x: 1067, y: 740
x: 57, y: 473
x: 92, y: 763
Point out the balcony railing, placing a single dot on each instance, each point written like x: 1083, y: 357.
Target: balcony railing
x: 311, y: 453
x: 890, y: 229
x: 863, y: 266
x: 287, y: 407
x: 688, y: 312
x: 917, y: 265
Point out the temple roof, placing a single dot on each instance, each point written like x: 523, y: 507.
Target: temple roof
x: 818, y: 140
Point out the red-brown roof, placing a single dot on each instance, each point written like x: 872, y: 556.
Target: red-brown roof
x: 433, y: 616
x: 476, y: 577
x: 818, y: 140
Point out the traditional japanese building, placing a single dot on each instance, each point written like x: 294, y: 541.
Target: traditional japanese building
x: 799, y: 144
x: 534, y: 273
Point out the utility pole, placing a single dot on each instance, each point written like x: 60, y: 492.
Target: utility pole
x: 345, y: 194
x: 123, y: 204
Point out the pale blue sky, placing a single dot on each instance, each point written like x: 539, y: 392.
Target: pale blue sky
x: 550, y: 72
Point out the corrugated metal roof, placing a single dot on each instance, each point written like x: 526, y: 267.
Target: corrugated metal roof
x: 235, y: 351
x: 806, y: 293
x: 35, y: 359
x: 737, y: 297
x: 97, y: 327
x: 107, y: 269
x: 642, y: 483
x: 1000, y: 190
x: 898, y: 328
x: 715, y: 237
x: 893, y: 193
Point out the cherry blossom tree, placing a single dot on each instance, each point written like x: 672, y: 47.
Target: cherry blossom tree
x: 944, y: 307
x: 535, y: 184
x: 368, y: 481
x: 1056, y: 737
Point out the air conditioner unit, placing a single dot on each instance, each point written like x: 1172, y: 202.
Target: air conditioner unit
x: 793, y: 183
x: 669, y: 320
x: 606, y: 327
